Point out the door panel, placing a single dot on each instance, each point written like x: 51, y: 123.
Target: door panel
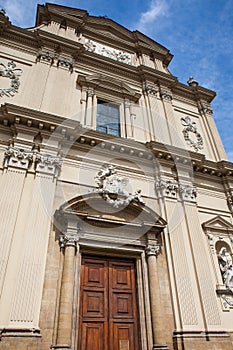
x: 108, y: 308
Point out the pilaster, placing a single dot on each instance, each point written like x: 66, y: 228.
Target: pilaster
x: 29, y: 240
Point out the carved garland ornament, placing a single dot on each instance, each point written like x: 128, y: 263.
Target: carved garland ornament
x: 111, y: 186
x: 107, y: 51
x: 190, y: 127
x: 11, y: 72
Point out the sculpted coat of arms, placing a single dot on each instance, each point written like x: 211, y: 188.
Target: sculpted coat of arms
x: 113, y: 188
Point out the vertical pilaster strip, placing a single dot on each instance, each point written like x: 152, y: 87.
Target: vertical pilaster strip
x: 128, y: 123
x: 206, y: 278
x: 12, y: 182
x: 89, y: 107
x: 27, y: 294
x: 16, y: 163
x: 29, y: 246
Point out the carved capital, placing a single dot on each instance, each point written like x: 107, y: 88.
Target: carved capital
x: 150, y: 89
x: 70, y: 238
x: 205, y: 108
x: 46, y: 56
x: 17, y: 158
x: 153, y: 249
x: 65, y: 62
x: 48, y: 164
x: 90, y: 92
x: 187, y: 192
x: 166, y: 95
x: 166, y: 188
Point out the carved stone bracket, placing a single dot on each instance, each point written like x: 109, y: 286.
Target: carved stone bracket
x: 187, y: 192
x: 48, y: 164
x: 191, y: 128
x: 166, y: 188
x: 12, y: 73
x: 166, y: 95
x: 153, y: 249
x: 17, y: 158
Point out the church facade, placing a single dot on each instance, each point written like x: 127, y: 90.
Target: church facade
x: 116, y: 207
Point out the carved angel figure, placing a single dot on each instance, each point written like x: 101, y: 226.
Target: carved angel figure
x: 226, y: 267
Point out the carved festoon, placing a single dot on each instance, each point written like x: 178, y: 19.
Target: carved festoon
x: 112, y: 188
x: 191, y: 128
x: 12, y: 73
x: 107, y: 51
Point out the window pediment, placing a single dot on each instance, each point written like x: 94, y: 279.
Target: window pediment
x: 218, y: 224
x: 101, y: 81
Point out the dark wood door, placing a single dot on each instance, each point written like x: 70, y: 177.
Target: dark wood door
x: 108, y: 308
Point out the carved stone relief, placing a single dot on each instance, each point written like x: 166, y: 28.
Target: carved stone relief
x: 12, y: 73
x: 191, y: 128
x: 107, y: 51
x: 112, y: 188
x: 226, y: 267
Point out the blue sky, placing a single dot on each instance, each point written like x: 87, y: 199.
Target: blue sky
x: 199, y: 33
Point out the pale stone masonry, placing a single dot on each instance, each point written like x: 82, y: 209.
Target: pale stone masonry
x: 116, y: 228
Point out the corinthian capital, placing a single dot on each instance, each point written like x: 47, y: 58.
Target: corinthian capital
x: 166, y: 94
x: 48, y: 164
x: 69, y: 239
x: 17, y: 157
x: 187, y: 192
x: 166, y: 188
x: 153, y: 249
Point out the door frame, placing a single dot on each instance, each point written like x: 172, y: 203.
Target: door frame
x: 142, y: 293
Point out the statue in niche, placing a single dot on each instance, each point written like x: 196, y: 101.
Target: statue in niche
x: 226, y: 267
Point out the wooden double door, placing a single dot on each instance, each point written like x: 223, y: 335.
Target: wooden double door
x: 108, y: 307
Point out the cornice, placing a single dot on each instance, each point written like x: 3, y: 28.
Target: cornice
x: 198, y: 162
x: 72, y: 131
x: 100, y: 27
